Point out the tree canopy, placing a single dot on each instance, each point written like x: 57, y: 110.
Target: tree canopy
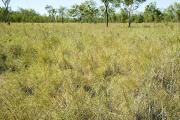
x: 89, y: 11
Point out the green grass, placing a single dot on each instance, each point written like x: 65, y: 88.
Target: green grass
x: 89, y: 72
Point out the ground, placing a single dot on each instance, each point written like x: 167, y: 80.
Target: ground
x: 89, y: 72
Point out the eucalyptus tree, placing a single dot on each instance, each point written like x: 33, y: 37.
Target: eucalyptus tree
x: 83, y: 11
x: 102, y: 13
x: 152, y: 13
x: 123, y: 16
x: 172, y: 13
x: 176, y: 7
x: 74, y: 12
x: 107, y: 5
x: 90, y: 10
x: 129, y: 6
x: 112, y: 14
x: 62, y: 13
x: 52, y: 12
x: 78, y: 12
x: 6, y: 12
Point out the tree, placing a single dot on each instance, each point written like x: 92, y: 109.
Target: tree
x: 129, y: 6
x: 62, y: 13
x: 75, y: 13
x: 85, y: 12
x: 2, y: 9
x: 107, y: 5
x: 152, y: 13
x: 52, y: 12
x: 6, y: 11
x: 123, y: 16
x: 138, y: 18
x: 177, y: 11
x: 28, y: 15
x: 89, y: 10
x: 172, y: 13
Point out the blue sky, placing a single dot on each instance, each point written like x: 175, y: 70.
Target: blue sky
x: 39, y: 5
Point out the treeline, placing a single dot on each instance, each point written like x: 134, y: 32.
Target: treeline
x: 89, y: 12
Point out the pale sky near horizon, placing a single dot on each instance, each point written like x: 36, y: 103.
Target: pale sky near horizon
x: 39, y: 5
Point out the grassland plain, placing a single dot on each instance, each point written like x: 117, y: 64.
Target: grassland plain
x: 89, y: 72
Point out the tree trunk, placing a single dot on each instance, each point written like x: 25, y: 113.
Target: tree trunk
x: 7, y: 19
x: 62, y: 19
x: 107, y: 17
x: 80, y: 20
x: 129, y: 19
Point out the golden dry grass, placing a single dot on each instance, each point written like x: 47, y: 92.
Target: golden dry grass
x: 89, y: 72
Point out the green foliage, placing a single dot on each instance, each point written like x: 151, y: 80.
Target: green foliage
x: 129, y: 6
x: 89, y: 12
x: 172, y: 13
x: 6, y: 16
x: 26, y: 15
x: 152, y: 13
x: 85, y: 12
x: 2, y: 14
x: 52, y: 12
x: 138, y: 18
x: 62, y: 11
x: 123, y: 16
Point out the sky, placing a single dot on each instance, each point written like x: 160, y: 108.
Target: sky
x: 39, y: 5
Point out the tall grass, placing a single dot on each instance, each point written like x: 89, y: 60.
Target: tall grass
x: 89, y: 72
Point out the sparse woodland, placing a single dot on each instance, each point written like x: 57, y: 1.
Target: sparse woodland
x: 90, y: 12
